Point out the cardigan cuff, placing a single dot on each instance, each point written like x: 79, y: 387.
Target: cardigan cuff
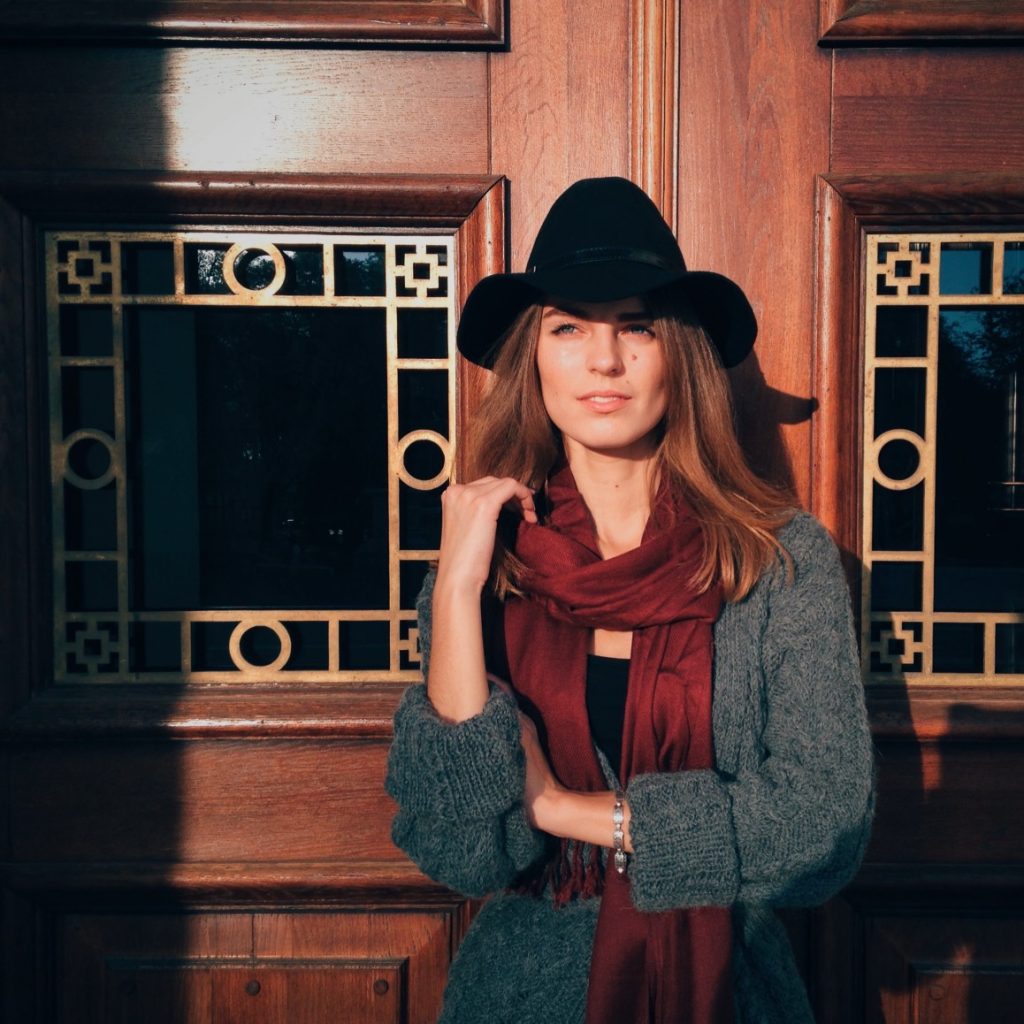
x: 684, y: 844
x: 464, y: 770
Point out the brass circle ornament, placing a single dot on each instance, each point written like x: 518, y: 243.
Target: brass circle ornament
x: 433, y: 437
x: 276, y: 256
x: 89, y: 483
x: 239, y: 659
x: 887, y: 438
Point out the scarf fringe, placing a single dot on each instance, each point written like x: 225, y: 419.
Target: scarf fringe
x: 576, y: 872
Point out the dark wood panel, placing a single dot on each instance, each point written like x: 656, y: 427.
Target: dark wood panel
x: 200, y: 991
x: 244, y: 110
x: 753, y: 132
x: 440, y: 22
x: 845, y: 22
x: 87, y: 944
x: 425, y: 942
x: 227, y: 800
x: 944, y: 970
x: 948, y: 803
x: 928, y: 111
x: 218, y: 967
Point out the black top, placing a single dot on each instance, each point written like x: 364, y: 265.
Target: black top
x: 607, y: 680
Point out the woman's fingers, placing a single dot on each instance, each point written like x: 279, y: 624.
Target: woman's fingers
x: 469, y: 522
x: 489, y: 494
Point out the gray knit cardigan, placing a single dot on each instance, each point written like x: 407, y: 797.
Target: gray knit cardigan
x: 782, y: 820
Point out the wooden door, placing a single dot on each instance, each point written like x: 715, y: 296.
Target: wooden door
x: 196, y: 826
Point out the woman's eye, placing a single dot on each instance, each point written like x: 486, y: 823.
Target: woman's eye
x: 564, y: 329
x: 640, y: 329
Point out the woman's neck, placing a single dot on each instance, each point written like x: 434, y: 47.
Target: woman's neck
x: 617, y: 493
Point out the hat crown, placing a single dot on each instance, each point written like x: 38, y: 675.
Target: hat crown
x: 600, y: 219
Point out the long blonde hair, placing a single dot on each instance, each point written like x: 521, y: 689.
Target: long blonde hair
x: 740, y: 514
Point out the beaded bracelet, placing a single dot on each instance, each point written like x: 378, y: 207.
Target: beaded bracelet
x: 618, y: 836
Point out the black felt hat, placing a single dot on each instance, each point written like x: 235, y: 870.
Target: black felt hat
x: 603, y: 240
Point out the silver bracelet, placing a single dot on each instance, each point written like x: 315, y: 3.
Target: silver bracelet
x: 618, y: 836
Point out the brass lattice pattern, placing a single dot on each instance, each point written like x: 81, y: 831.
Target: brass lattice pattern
x: 907, y: 273
x: 88, y: 268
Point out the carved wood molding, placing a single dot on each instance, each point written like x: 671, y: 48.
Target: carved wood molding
x: 325, y: 200
x: 448, y: 23
x: 654, y: 102
x: 157, y: 710
x: 871, y: 22
x: 303, y: 883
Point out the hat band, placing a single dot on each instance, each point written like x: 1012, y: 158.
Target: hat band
x: 605, y: 255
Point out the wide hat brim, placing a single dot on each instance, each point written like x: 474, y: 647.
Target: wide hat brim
x: 495, y: 302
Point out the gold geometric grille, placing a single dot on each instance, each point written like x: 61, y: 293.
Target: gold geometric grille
x: 942, y: 597
x: 115, y: 274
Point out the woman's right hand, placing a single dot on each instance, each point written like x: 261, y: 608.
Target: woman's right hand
x: 468, y: 527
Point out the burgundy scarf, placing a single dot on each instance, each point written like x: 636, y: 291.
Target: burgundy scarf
x: 655, y: 968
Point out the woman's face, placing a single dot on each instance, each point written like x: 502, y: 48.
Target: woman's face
x: 602, y: 374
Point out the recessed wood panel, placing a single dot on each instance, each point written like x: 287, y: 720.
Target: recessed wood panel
x: 261, y: 993
x: 944, y: 970
x: 244, y: 110
x: 753, y: 132
x: 928, y: 111
x: 165, y: 968
x: 205, y: 801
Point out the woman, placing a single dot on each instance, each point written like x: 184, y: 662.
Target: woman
x: 643, y: 725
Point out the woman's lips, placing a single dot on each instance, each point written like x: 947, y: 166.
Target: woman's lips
x: 604, y: 401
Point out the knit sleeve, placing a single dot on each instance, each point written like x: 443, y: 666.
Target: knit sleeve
x: 791, y: 830
x: 459, y: 788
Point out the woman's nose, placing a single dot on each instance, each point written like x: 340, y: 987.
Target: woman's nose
x: 605, y: 353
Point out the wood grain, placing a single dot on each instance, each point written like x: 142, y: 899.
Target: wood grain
x: 212, y: 800
x: 928, y: 111
x: 947, y: 803
x: 753, y: 133
x: 283, y: 110
x: 559, y: 106
x: 253, y: 967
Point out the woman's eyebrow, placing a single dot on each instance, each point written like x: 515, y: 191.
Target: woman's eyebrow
x: 629, y: 314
